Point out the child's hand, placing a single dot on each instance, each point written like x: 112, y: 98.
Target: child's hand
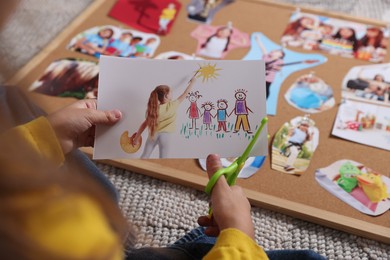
x: 75, y: 124
x: 231, y: 208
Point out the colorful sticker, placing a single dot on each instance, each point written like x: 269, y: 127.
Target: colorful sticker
x: 174, y: 55
x: 336, y: 36
x: 151, y: 16
x: 203, y: 11
x: 279, y: 64
x: 216, y: 41
x: 69, y: 78
x: 113, y: 41
x: 310, y: 94
x: 252, y: 165
x: 294, y: 145
x: 177, y: 117
x: 357, y: 185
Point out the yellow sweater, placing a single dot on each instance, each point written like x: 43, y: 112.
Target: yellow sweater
x: 74, y: 226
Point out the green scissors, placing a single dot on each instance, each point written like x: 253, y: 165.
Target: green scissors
x: 231, y: 172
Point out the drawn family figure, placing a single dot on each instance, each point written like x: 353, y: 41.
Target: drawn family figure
x: 222, y: 105
x: 297, y: 137
x: 193, y: 111
x: 241, y: 110
x: 160, y: 119
x: 167, y: 15
x: 207, y: 116
x: 94, y: 44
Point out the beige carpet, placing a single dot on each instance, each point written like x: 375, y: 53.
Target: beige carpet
x: 164, y: 211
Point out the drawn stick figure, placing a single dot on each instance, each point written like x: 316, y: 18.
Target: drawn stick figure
x: 241, y: 111
x: 193, y: 110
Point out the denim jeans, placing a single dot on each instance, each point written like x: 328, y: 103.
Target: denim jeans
x: 195, y: 245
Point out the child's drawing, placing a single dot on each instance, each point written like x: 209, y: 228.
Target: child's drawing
x: 180, y: 112
x: 279, y: 64
x: 222, y: 105
x: 241, y: 110
x: 357, y: 185
x: 207, y: 116
x: 193, y: 110
x: 294, y: 145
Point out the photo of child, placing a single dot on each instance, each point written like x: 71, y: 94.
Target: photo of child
x: 216, y: 42
x: 69, y: 78
x: 114, y: 41
x: 368, y: 84
x: 294, y: 145
x: 310, y: 94
x: 336, y: 36
x: 357, y: 185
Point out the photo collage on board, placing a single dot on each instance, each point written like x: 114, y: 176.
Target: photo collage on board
x: 301, y: 47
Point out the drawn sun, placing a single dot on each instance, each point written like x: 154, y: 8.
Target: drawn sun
x: 208, y: 72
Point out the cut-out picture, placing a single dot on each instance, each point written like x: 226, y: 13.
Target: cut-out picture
x: 357, y: 185
x: 368, y: 84
x: 69, y: 78
x: 294, y: 145
x: 363, y: 123
x: 251, y: 166
x: 151, y: 16
x: 310, y: 94
x: 336, y: 36
x: 279, y: 64
x: 217, y: 41
x: 177, y: 112
x: 113, y: 41
x: 175, y: 55
x: 203, y: 11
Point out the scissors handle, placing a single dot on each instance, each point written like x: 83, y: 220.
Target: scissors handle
x: 223, y: 171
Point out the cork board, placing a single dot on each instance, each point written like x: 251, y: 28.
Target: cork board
x: 300, y: 197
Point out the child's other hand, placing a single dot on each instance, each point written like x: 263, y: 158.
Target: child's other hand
x: 74, y: 125
x: 231, y: 208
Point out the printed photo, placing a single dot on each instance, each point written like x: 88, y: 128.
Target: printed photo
x: 188, y: 109
x: 114, y: 41
x: 294, y: 145
x: 150, y: 16
x: 203, y: 11
x: 368, y: 84
x: 310, y: 94
x: 363, y: 123
x: 216, y: 41
x: 175, y: 55
x: 357, y: 185
x: 336, y: 36
x: 279, y: 64
x: 69, y: 78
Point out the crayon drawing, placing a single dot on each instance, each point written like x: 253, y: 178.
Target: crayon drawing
x: 188, y: 109
x: 279, y: 64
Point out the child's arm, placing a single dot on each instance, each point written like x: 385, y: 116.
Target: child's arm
x: 139, y: 132
x: 260, y: 44
x: 188, y: 89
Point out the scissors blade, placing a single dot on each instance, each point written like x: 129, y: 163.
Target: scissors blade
x: 241, y: 160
